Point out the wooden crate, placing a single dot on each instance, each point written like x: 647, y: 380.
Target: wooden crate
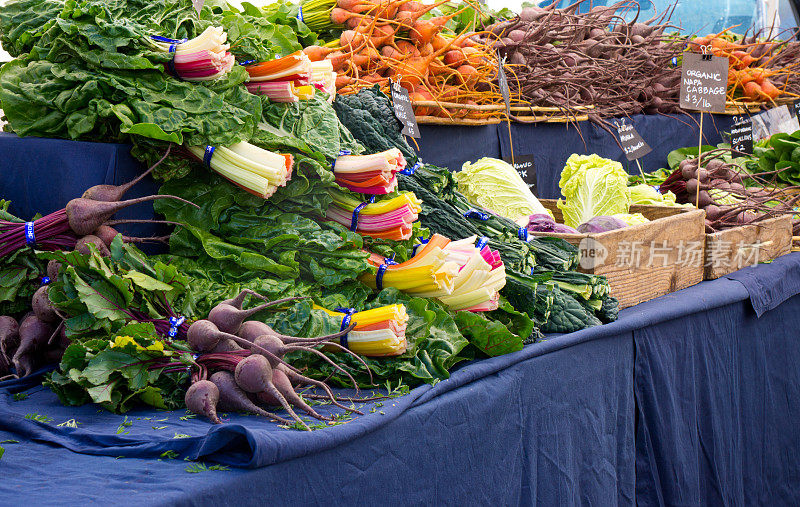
x: 644, y: 261
x: 732, y: 249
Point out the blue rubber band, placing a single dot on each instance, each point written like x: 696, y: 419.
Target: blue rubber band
x: 300, y: 14
x: 423, y: 241
x: 174, y: 324
x: 159, y: 38
x: 247, y: 62
x: 207, y: 156
x: 411, y: 170
x: 657, y: 188
x: 522, y: 233
x: 482, y: 242
x: 30, y: 237
x: 45, y: 280
x: 348, y: 315
x: 341, y: 153
x: 171, y: 62
x: 473, y: 213
x: 382, y: 270
x: 354, y: 220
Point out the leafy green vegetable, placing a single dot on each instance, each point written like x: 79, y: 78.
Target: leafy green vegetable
x: 116, y: 373
x: 368, y: 114
x: 434, y: 341
x: 315, y: 122
x: 497, y: 186
x: 593, y: 186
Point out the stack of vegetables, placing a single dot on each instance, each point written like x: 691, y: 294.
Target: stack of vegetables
x: 460, y: 274
x: 249, y: 167
x: 596, y: 195
x: 204, y: 58
x: 369, y: 174
x: 755, y: 72
x: 396, y: 40
x: 730, y: 195
x: 386, y: 219
x: 286, y: 79
x: 587, y: 59
x: 323, y: 78
x: 378, y: 332
x: 539, y: 279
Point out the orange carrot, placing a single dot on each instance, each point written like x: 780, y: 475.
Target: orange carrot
x: 752, y: 91
x: 317, y: 53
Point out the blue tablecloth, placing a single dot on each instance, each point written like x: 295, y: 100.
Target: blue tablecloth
x: 686, y: 399
x: 716, y: 401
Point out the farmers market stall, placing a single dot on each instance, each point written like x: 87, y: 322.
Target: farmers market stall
x: 563, y: 423
x: 279, y: 252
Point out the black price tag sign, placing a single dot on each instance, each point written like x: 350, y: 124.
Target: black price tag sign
x: 503, y: 83
x: 403, y: 110
x: 526, y: 167
x: 795, y: 110
x: 632, y: 143
x: 704, y: 82
x: 741, y: 136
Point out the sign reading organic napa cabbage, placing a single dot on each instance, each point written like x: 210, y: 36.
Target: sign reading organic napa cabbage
x: 741, y: 136
x: 632, y: 143
x: 403, y: 110
x: 526, y: 167
x: 704, y: 82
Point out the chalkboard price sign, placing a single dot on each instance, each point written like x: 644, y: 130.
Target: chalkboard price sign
x: 403, y: 110
x: 741, y: 137
x: 632, y: 143
x: 704, y: 82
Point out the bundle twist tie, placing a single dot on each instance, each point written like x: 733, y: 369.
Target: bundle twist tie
x: 473, y: 213
x: 45, y: 281
x: 522, y: 233
x: 422, y: 241
x: 482, y: 242
x: 354, y: 220
x: 348, y: 314
x: 30, y: 237
x: 382, y: 270
x: 174, y: 324
x: 207, y: 156
x: 341, y: 153
x: 411, y: 170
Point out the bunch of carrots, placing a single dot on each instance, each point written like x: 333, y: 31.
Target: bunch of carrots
x: 750, y: 75
x: 394, y: 40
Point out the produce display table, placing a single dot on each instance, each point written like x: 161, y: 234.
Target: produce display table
x: 75, y: 165
x: 690, y: 398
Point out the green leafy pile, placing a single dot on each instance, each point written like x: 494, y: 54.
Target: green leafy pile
x: 99, y: 295
x: 368, y: 114
x: 116, y: 373
x: 540, y: 281
x: 780, y: 153
x: 88, y: 70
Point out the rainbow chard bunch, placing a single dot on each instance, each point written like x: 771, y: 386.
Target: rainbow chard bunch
x: 387, y: 219
x: 369, y: 174
x: 203, y: 58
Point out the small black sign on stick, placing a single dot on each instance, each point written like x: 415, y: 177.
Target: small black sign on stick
x: 632, y: 143
x: 741, y: 136
x: 403, y: 110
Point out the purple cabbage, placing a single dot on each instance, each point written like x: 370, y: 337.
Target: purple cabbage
x: 602, y: 223
x: 544, y: 223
